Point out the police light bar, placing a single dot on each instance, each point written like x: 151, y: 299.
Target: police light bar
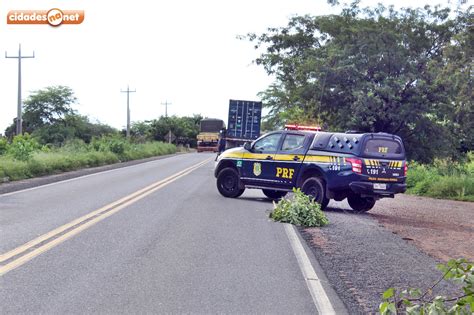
x: 298, y: 127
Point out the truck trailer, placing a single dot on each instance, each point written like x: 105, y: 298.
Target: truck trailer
x: 243, y: 122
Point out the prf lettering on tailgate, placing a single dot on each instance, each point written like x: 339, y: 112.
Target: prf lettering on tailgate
x: 285, y: 172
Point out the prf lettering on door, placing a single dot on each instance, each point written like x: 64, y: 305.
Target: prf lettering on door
x: 285, y: 172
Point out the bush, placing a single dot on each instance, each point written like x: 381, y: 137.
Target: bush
x: 114, y: 144
x: 300, y: 210
x: 76, y: 154
x: 443, y: 179
x: 22, y: 147
x: 3, y: 146
x: 75, y: 145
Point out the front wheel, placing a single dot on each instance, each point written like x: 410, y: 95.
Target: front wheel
x: 314, y: 187
x: 274, y: 194
x: 228, y: 183
x: 360, y: 204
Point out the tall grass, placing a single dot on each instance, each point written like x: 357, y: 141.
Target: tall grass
x: 76, y: 155
x: 443, y: 179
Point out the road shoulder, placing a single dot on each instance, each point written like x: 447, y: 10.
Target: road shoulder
x: 362, y: 259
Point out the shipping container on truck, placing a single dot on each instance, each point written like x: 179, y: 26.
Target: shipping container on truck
x: 243, y: 123
x: 208, y: 137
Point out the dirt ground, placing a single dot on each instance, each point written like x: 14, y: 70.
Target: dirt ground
x: 443, y: 229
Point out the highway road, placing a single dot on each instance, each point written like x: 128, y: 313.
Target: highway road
x: 154, y: 237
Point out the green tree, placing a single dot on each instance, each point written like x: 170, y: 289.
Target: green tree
x: 184, y: 128
x: 82, y: 128
x: 141, y: 129
x: 50, y: 118
x: 48, y: 106
x: 373, y: 69
x: 456, y: 75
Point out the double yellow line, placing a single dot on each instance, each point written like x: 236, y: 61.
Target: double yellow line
x: 45, y: 242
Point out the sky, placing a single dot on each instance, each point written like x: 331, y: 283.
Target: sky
x: 184, y: 52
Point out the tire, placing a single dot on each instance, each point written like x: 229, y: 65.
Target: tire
x: 324, y: 204
x: 228, y: 183
x: 274, y: 194
x: 314, y: 187
x: 360, y: 204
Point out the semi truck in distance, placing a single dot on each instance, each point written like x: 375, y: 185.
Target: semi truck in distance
x: 208, y: 137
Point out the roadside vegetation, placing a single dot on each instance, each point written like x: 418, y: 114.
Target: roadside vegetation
x: 299, y: 209
x: 26, y: 158
x: 57, y: 139
x: 444, y: 178
x: 414, y: 301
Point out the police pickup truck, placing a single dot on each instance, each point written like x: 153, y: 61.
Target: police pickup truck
x: 362, y: 167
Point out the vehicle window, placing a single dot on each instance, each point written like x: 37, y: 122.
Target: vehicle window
x: 382, y: 147
x: 268, y: 144
x: 292, y: 142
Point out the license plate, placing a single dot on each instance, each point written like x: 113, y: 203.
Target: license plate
x: 380, y: 186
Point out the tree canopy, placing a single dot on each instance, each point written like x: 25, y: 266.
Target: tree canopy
x: 405, y: 72
x: 48, y: 116
x: 184, y: 128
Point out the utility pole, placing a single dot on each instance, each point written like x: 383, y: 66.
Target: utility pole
x: 128, y: 91
x: 19, y: 122
x: 166, y: 107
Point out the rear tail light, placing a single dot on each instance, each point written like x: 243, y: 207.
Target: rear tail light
x: 356, y: 165
x: 405, y: 169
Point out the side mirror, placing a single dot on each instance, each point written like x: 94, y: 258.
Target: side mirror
x: 247, y: 146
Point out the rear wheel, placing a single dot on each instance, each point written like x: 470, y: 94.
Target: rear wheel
x: 274, y: 194
x: 228, y: 183
x: 360, y: 204
x: 314, y: 187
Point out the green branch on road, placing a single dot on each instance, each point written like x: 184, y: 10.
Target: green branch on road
x: 300, y: 210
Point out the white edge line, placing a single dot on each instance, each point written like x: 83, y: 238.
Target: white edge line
x: 319, y: 295
x: 79, y: 177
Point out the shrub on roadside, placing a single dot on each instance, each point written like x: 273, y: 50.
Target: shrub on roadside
x: 75, y: 155
x: 3, y: 146
x: 443, y: 179
x: 75, y: 145
x: 22, y: 147
x: 115, y: 144
x: 299, y: 210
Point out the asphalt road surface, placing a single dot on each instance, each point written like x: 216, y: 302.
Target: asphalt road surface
x: 154, y: 237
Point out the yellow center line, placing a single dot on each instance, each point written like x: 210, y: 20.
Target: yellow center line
x: 96, y: 215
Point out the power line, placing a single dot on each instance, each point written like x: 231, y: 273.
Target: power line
x: 128, y: 91
x: 19, y: 121
x: 166, y: 107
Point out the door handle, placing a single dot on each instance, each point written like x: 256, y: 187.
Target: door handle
x: 269, y: 157
x: 296, y: 158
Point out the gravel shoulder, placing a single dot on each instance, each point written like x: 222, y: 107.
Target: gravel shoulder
x: 397, y: 244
